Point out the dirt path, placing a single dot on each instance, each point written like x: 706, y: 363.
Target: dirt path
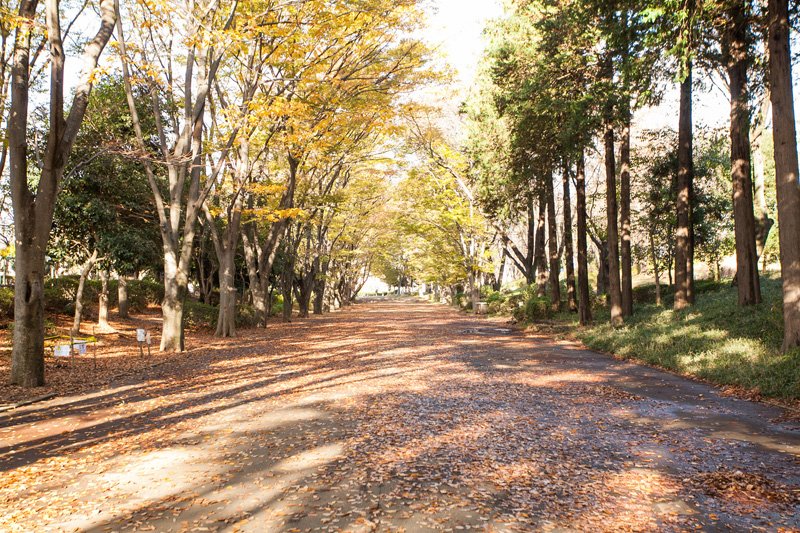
x: 398, y: 416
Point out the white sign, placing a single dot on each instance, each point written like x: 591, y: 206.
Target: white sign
x: 62, y: 350
x: 141, y: 335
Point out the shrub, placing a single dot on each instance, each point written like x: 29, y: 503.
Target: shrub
x: 198, y: 315
x: 6, y: 302
x: 247, y: 317
x: 59, y: 294
x: 144, y: 292
x: 537, y: 308
x: 277, y: 305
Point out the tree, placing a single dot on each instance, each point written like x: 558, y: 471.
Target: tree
x: 33, y: 210
x: 205, y: 30
x: 786, y: 168
x: 737, y: 58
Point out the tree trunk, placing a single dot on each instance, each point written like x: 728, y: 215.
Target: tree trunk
x: 474, y: 290
x: 122, y: 296
x: 786, y: 168
x: 33, y: 211
x: 684, y: 246
x: 763, y: 221
x: 614, y: 289
x: 102, y: 305
x: 175, y: 290
x: 737, y: 58
x: 602, y: 267
x: 27, y: 365
x: 501, y: 270
x: 226, y: 315
x: 552, y: 246
x: 572, y: 302
x: 319, y: 288
x: 87, y: 268
x: 584, y: 298
x: 656, y: 273
x: 287, y: 280
x: 531, y: 257
x: 254, y: 285
x: 540, y: 257
x: 626, y: 258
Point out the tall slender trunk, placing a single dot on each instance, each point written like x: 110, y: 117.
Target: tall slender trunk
x: 738, y: 59
x: 614, y: 288
x: 584, y: 298
x: 552, y: 246
x: 540, y: 256
x: 320, y: 284
x: 763, y: 221
x: 626, y: 258
x: 530, y: 256
x: 122, y: 296
x: 287, y: 281
x: 656, y: 273
x: 684, y: 246
x: 226, y: 313
x: 102, y: 307
x: 786, y: 168
x: 87, y: 268
x: 254, y: 285
x: 572, y: 302
x: 501, y: 270
x: 602, y: 267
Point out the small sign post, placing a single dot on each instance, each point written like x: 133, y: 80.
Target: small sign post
x: 141, y: 337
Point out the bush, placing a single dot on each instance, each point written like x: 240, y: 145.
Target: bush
x: 198, y: 315
x: 277, y: 305
x: 59, y: 294
x: 247, y: 317
x: 142, y: 293
x: 6, y: 302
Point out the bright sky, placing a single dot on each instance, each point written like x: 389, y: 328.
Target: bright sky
x: 457, y: 27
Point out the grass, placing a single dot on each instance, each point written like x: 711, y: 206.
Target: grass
x: 715, y: 340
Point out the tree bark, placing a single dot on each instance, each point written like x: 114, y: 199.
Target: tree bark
x: 255, y: 286
x: 786, y: 167
x: 33, y: 212
x: 532, y: 234
x: 102, y: 304
x: 552, y: 246
x: 763, y: 221
x: 684, y: 246
x: 226, y: 315
x: 87, y: 268
x: 572, y: 302
x: 656, y: 273
x: 584, y: 298
x: 614, y: 288
x: 122, y: 296
x: 737, y: 58
x: 175, y: 291
x: 320, y: 285
x: 626, y: 258
x: 540, y: 256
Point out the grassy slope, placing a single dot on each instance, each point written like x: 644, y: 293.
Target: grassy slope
x: 715, y: 340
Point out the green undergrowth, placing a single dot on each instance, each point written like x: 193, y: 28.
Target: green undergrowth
x: 715, y: 340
